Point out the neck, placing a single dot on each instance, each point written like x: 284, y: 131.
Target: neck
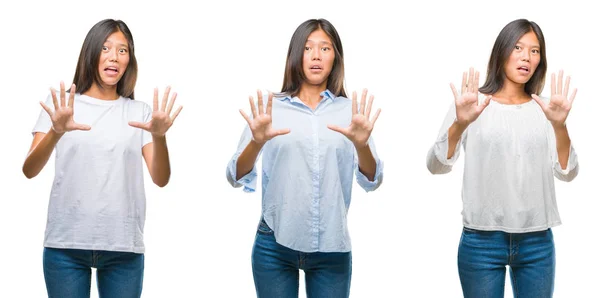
x: 311, y: 94
x: 104, y: 93
x: 512, y: 93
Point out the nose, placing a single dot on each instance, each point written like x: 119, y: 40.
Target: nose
x: 316, y: 54
x: 113, y: 55
x: 525, y: 56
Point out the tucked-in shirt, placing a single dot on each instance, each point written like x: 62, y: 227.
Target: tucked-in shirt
x: 510, y: 161
x: 97, y: 201
x: 307, y: 174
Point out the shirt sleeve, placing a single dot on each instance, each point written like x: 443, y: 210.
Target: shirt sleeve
x: 437, y: 161
x: 249, y: 180
x: 44, y: 123
x: 361, y: 179
x: 572, y: 169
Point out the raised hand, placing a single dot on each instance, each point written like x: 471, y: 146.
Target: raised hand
x: 161, y: 117
x: 558, y: 108
x: 361, y: 125
x: 261, y: 122
x: 467, y: 103
x: 62, y: 116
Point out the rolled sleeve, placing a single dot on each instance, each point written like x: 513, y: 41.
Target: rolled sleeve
x: 572, y: 169
x: 249, y: 180
x: 367, y: 184
x: 362, y: 180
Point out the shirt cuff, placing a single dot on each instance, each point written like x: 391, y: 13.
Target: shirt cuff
x: 248, y: 181
x: 441, y: 150
x: 571, y: 162
x: 367, y: 184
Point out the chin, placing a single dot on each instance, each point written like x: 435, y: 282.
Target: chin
x: 110, y: 82
x: 316, y: 81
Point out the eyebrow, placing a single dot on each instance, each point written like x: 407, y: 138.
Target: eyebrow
x: 320, y: 42
x: 120, y: 44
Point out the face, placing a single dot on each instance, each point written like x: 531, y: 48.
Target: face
x: 524, y: 59
x: 114, y: 59
x: 318, y: 58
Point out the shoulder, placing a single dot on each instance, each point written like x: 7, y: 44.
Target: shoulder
x: 136, y: 104
x: 343, y: 101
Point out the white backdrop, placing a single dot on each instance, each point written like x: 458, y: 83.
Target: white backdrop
x: 199, y: 231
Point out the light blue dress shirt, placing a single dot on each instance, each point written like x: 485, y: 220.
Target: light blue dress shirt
x: 307, y: 174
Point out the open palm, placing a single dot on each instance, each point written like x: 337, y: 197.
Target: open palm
x: 467, y: 103
x: 361, y: 125
x: 261, y: 122
x: 162, y: 119
x: 62, y: 116
x: 558, y: 108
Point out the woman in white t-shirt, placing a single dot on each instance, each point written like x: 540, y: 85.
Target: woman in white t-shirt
x: 514, y: 142
x: 97, y: 204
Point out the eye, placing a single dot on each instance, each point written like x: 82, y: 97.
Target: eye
x: 123, y: 51
x: 517, y: 47
x: 307, y: 48
x: 535, y: 51
x: 325, y: 49
x: 104, y: 48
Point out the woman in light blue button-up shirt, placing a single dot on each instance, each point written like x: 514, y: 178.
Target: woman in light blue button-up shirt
x: 313, y: 139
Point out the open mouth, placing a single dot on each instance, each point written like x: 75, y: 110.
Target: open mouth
x: 316, y: 68
x: 111, y: 70
x: 523, y: 69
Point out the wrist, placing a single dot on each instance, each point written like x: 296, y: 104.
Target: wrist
x: 158, y: 137
x: 257, y: 144
x: 461, y: 125
x: 57, y: 132
x: 361, y: 146
x: 558, y: 125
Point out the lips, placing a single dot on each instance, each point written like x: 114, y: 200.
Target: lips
x: 111, y: 71
x: 316, y: 69
x: 523, y: 69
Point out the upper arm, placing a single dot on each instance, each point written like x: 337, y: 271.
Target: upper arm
x: 147, y: 152
x: 37, y: 138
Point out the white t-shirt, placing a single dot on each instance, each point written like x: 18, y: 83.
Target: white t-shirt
x: 97, y: 200
x: 510, y: 161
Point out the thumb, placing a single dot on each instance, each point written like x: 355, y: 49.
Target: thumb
x: 336, y: 128
x: 539, y: 101
x: 137, y: 124
x: 282, y: 132
x: 485, y: 103
x: 82, y: 127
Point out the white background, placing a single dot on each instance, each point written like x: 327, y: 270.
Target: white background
x: 199, y: 231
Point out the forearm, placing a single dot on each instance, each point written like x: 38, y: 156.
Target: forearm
x: 39, y: 154
x: 366, y: 162
x: 563, y: 144
x: 454, y: 133
x: 161, y: 167
x: 247, y: 158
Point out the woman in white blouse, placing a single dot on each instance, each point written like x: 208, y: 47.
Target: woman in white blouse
x: 514, y: 142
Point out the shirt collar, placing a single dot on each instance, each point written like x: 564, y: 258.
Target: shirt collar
x: 325, y: 94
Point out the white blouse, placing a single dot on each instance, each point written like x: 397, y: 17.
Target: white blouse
x: 510, y: 161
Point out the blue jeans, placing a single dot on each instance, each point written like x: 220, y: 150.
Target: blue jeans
x: 68, y: 273
x: 276, y: 269
x: 484, y: 255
